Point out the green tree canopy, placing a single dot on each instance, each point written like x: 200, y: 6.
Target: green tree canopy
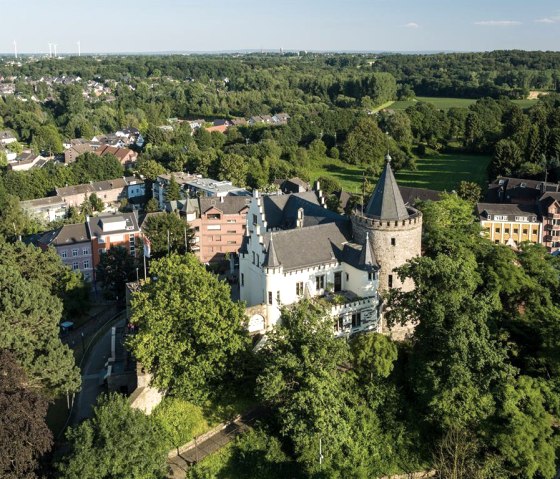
x: 190, y: 332
x: 24, y: 435
x: 168, y: 232
x: 117, y: 442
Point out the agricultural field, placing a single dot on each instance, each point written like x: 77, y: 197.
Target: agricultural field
x: 442, y: 172
x: 447, y: 103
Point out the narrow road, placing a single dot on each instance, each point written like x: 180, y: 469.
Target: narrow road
x: 179, y: 464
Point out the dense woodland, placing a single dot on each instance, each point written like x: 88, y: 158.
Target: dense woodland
x: 474, y: 394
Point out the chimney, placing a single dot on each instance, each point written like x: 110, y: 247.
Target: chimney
x: 299, y: 221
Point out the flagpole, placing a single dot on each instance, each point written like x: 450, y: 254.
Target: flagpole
x: 144, y: 256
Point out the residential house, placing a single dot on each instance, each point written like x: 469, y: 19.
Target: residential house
x: 518, y: 209
x: 126, y: 157
x: 218, y: 224
x: 209, y: 187
x: 72, y: 243
x: 7, y: 137
x: 28, y: 160
x: 72, y: 153
x: 293, y: 185
x: 108, y: 231
x: 159, y: 186
x: 295, y: 248
x: 550, y: 209
x: 10, y: 155
x: 111, y: 192
x: 281, y: 118
x: 510, y: 224
x: 51, y: 208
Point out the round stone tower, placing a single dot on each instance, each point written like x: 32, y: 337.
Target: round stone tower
x: 394, y: 229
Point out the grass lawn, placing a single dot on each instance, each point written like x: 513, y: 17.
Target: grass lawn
x: 443, y: 172
x: 447, y: 103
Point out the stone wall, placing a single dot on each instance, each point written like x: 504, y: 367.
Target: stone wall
x: 393, y: 242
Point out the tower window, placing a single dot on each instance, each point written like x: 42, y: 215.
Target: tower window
x: 299, y: 288
x: 390, y: 281
x: 393, y: 241
x: 270, y: 297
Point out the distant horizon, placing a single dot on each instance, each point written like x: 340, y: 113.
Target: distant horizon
x: 247, y: 51
x: 193, y: 26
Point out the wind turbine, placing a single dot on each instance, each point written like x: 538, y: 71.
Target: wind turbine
x: 79, y: 47
x: 15, y: 49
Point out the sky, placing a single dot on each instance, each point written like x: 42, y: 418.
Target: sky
x: 105, y: 26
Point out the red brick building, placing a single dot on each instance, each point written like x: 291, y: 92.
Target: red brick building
x: 218, y: 224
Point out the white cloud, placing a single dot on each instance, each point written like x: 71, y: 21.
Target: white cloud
x: 411, y: 25
x: 498, y: 23
x: 549, y: 20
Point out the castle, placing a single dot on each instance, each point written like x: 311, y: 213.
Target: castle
x: 296, y: 248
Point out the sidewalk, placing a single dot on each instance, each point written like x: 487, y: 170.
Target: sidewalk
x: 210, y: 442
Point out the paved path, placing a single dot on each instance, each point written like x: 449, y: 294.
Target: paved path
x: 178, y: 464
x: 93, y: 371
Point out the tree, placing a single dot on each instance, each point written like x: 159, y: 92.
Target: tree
x: 469, y: 191
x: 303, y: 384
x: 152, y: 206
x: 32, y: 283
x: 233, y: 168
x: 117, y: 442
x: 366, y: 145
x: 150, y: 169
x: 373, y: 355
x: 191, y: 334
x: 116, y: 268
x: 172, y: 190
x: 168, y: 232
x: 24, y: 435
x: 96, y: 203
x: 47, y: 138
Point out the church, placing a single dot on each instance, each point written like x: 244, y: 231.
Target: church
x: 295, y: 248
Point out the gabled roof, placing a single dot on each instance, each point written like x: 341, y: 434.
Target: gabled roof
x: 304, y: 247
x: 386, y: 202
x: 66, y: 235
x: 281, y: 211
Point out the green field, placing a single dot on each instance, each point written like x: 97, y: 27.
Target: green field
x: 442, y: 172
x: 447, y: 103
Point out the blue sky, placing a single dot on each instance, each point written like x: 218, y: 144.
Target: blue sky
x: 213, y: 25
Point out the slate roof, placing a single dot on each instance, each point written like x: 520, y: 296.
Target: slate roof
x: 367, y: 259
x: 228, y: 205
x: 66, y: 235
x: 386, y: 203
x: 281, y: 210
x: 411, y: 196
x: 506, y: 209
x: 305, y: 247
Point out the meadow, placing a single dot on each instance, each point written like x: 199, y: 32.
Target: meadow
x: 447, y: 103
x: 440, y: 172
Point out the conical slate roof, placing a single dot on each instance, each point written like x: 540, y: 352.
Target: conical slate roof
x: 367, y: 257
x: 386, y: 202
x: 271, y: 257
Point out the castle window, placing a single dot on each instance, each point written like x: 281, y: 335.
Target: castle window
x: 356, y: 320
x: 371, y: 276
x: 498, y: 230
x: 242, y: 279
x: 339, y: 324
x: 506, y: 231
x: 278, y: 297
x: 270, y: 297
x: 320, y: 282
x: 299, y: 288
x: 525, y: 231
x: 393, y: 241
x: 390, y: 281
